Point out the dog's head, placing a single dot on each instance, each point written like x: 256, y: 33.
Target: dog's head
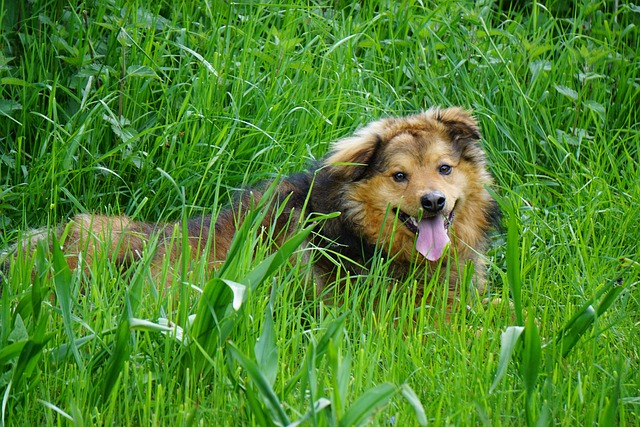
x: 414, y: 176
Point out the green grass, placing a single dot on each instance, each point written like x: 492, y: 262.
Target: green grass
x: 161, y: 110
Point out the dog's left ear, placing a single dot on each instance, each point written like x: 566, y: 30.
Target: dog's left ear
x: 460, y: 125
x: 464, y: 132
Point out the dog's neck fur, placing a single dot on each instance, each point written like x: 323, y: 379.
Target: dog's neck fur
x: 324, y: 195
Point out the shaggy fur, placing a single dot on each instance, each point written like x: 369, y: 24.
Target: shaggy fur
x: 404, y: 187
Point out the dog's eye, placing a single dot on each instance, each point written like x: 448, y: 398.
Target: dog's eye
x: 445, y: 169
x: 400, y: 177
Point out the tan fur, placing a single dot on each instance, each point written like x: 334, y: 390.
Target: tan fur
x: 355, y: 179
x: 417, y: 144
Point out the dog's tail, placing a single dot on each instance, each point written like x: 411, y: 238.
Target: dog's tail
x: 84, y: 238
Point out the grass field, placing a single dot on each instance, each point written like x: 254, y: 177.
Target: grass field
x: 161, y: 110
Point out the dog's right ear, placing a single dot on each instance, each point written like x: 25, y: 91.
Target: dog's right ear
x: 351, y: 157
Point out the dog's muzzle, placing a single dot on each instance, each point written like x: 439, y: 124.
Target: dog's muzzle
x: 433, y: 202
x: 412, y: 224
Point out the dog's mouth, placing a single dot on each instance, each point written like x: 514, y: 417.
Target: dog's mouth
x: 432, y: 232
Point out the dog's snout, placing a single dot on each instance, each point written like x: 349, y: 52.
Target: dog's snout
x: 433, y: 202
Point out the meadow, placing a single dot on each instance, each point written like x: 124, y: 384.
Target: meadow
x: 162, y: 111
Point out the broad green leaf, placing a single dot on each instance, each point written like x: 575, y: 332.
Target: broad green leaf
x: 30, y: 354
x: 415, y: 403
x: 338, y: 391
x: 19, y: 331
x: 265, y: 348
x: 8, y: 106
x: 14, y: 81
x: 568, y: 92
x: 63, y: 283
x: 257, y: 408
x: 508, y: 342
x: 266, y: 392
x: 371, y: 401
x: 575, y: 328
x: 532, y: 355
x: 11, y: 351
x: 343, y: 377
x: 531, y: 361
x: 596, y: 107
x: 212, y: 322
x: 119, y: 355
x: 573, y: 331
x: 60, y: 353
x: 611, y: 293
x: 318, y: 406
x: 141, y: 71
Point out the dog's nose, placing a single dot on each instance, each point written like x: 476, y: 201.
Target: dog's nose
x: 433, y: 202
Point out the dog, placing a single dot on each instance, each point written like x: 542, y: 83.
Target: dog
x: 412, y: 190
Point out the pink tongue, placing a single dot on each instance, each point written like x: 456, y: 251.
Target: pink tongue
x: 432, y: 237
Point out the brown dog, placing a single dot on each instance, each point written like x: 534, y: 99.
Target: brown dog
x: 409, y: 189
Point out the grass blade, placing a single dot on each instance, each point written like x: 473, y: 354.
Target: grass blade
x: 254, y: 216
x: 342, y: 374
x: 262, y: 383
x: 372, y: 400
x: 56, y: 409
x: 608, y: 417
x: 317, y: 407
x: 63, y: 283
x: 531, y: 362
x: 575, y: 328
x: 5, y: 398
x: 276, y: 260
x: 333, y: 332
x: 513, y: 266
x: 611, y: 293
x: 37, y: 291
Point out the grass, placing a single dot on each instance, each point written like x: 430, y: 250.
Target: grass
x: 162, y: 110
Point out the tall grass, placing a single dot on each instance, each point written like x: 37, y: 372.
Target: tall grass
x: 162, y: 110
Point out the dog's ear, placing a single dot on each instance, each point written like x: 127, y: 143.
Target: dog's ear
x: 460, y: 124
x: 351, y: 157
x: 464, y: 132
